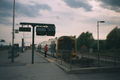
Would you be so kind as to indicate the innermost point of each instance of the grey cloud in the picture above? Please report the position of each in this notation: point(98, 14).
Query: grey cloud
point(111, 4)
point(79, 4)
point(31, 10)
point(6, 9)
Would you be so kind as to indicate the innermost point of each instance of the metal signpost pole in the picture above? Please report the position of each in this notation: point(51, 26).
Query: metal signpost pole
point(70, 59)
point(39, 31)
point(61, 57)
point(33, 45)
point(22, 44)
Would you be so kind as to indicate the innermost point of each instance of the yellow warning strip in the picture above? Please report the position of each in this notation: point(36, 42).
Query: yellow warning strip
point(45, 57)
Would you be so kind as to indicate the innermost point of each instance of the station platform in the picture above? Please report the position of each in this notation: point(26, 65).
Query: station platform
point(22, 69)
point(42, 69)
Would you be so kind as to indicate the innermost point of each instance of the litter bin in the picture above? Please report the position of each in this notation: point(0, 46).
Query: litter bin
point(15, 53)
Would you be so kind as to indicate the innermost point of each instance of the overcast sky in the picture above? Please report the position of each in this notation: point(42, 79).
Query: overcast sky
point(71, 17)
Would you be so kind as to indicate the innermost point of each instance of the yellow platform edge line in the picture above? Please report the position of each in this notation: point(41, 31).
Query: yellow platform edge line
point(45, 58)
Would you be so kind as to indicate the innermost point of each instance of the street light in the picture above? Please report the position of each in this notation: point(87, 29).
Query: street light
point(98, 37)
point(12, 59)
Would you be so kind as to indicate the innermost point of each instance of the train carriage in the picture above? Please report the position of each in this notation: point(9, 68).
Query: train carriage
point(64, 45)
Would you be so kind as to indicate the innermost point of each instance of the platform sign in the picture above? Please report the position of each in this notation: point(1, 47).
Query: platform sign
point(43, 29)
point(40, 31)
point(102, 21)
point(50, 31)
point(25, 29)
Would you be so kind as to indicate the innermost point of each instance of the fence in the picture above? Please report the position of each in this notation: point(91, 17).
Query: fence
point(64, 57)
point(103, 58)
point(4, 47)
point(85, 59)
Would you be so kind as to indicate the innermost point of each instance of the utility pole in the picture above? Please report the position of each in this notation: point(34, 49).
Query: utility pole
point(12, 60)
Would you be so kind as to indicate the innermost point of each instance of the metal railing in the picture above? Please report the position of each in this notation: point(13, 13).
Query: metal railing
point(105, 59)
point(87, 59)
point(62, 60)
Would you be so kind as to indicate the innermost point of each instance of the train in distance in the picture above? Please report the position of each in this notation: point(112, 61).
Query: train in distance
point(64, 45)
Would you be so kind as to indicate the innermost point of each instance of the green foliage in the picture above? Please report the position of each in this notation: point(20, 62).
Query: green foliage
point(85, 39)
point(102, 45)
point(113, 39)
point(73, 36)
point(94, 46)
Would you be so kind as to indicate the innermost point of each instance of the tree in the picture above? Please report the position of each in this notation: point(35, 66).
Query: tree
point(102, 45)
point(113, 39)
point(85, 39)
point(73, 36)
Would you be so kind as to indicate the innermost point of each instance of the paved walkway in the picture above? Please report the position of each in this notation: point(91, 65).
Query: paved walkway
point(22, 69)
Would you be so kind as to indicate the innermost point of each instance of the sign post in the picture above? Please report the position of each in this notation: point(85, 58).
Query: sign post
point(46, 29)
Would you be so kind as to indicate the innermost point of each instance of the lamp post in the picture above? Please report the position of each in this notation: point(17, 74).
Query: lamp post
point(98, 37)
point(12, 59)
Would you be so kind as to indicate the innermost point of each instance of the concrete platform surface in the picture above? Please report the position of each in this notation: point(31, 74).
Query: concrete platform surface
point(43, 69)
point(22, 69)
